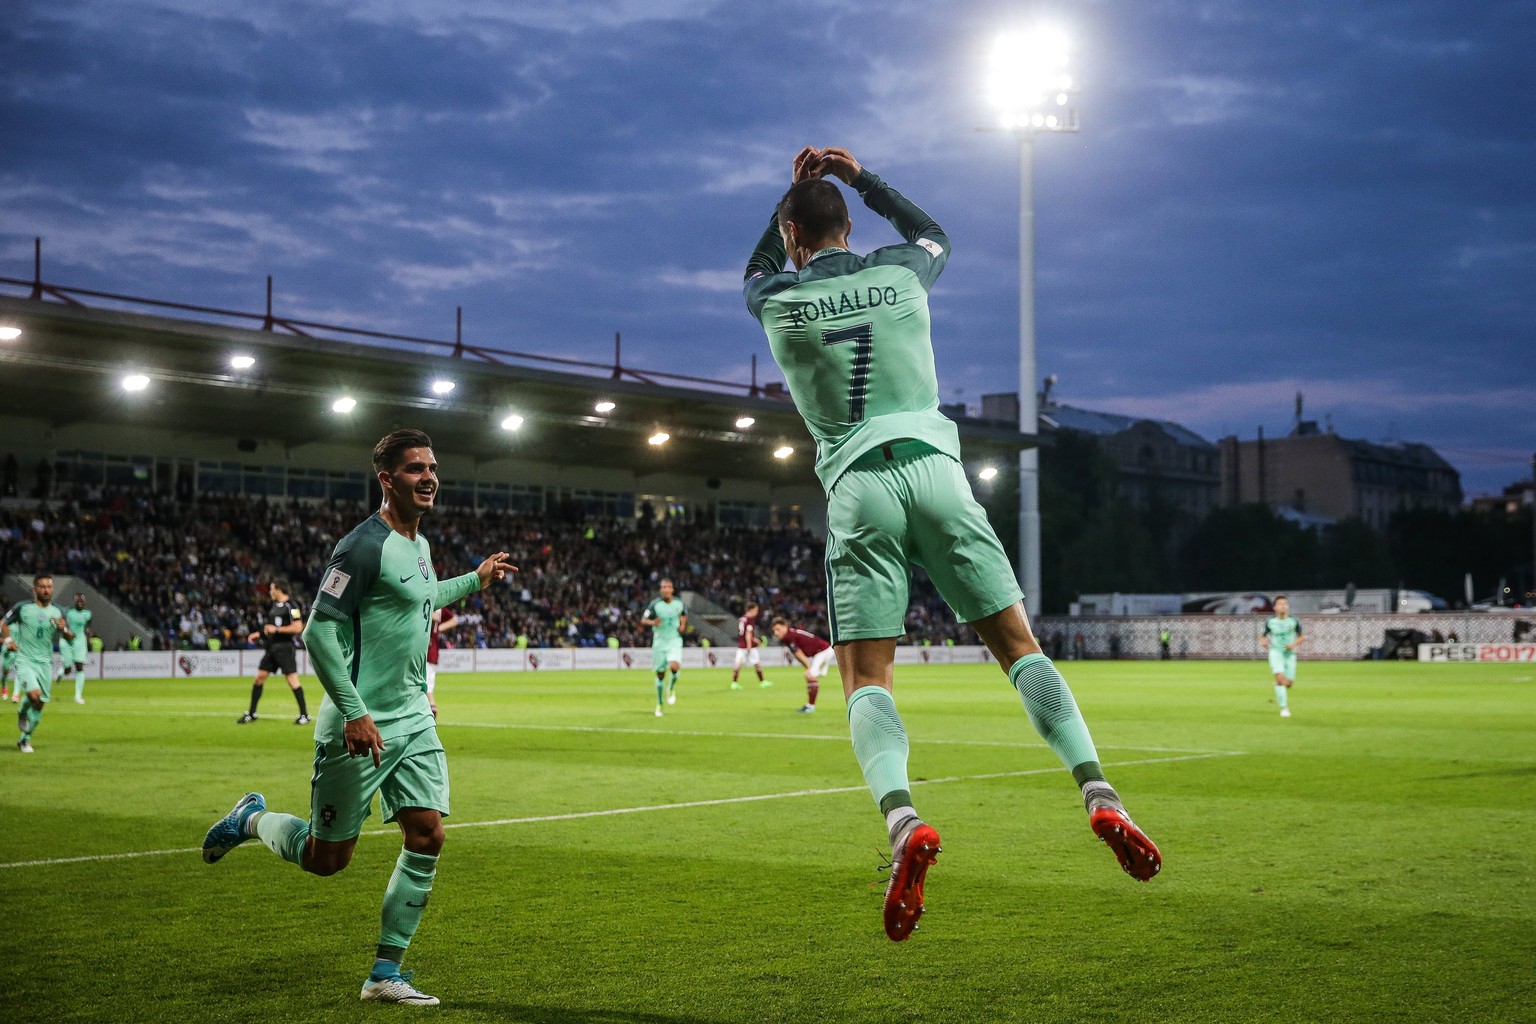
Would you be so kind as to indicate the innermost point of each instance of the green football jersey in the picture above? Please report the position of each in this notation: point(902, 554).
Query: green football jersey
point(382, 584)
point(1281, 631)
point(669, 612)
point(77, 619)
point(851, 334)
point(34, 627)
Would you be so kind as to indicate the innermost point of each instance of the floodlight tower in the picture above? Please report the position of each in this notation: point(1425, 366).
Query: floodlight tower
point(1031, 88)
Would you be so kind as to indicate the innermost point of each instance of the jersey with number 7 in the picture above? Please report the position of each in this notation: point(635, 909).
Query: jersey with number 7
point(851, 334)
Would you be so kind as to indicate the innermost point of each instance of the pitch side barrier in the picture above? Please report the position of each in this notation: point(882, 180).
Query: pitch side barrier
point(223, 664)
point(1482, 653)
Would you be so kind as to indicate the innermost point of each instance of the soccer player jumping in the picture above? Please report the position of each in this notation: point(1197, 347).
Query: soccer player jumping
point(851, 335)
point(367, 641)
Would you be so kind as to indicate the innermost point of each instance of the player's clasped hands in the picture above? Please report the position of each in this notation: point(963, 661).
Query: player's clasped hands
point(811, 162)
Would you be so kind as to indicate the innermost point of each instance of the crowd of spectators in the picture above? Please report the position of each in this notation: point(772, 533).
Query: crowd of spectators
point(198, 571)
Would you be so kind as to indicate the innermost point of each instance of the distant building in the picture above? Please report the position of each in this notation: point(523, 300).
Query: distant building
point(1159, 461)
point(1318, 474)
point(1516, 496)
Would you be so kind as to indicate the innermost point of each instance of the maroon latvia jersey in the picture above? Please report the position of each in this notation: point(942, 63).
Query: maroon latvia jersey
point(434, 642)
point(808, 644)
point(746, 632)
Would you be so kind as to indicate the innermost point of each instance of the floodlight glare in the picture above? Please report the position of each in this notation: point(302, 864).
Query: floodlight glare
point(442, 387)
point(743, 422)
point(9, 333)
point(659, 438)
point(1027, 74)
point(135, 382)
point(987, 472)
point(344, 404)
point(512, 422)
point(242, 362)
point(783, 453)
point(604, 407)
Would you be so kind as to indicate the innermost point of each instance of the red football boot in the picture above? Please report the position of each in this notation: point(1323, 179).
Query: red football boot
point(911, 857)
point(1137, 854)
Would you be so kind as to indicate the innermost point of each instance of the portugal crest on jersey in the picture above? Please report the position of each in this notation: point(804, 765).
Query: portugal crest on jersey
point(421, 563)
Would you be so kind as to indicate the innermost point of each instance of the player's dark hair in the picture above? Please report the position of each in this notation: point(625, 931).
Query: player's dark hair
point(750, 606)
point(1281, 597)
point(282, 585)
point(40, 577)
point(779, 620)
point(817, 206)
point(389, 452)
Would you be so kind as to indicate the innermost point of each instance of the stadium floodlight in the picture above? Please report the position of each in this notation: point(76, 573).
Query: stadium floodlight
point(442, 387)
point(743, 422)
point(242, 362)
point(512, 422)
point(783, 453)
point(659, 438)
point(135, 382)
point(987, 473)
point(1031, 90)
point(9, 333)
point(344, 404)
point(604, 406)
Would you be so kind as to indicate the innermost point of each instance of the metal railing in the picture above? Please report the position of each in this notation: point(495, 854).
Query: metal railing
point(43, 291)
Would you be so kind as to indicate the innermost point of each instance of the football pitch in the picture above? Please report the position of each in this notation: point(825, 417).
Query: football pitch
point(1369, 859)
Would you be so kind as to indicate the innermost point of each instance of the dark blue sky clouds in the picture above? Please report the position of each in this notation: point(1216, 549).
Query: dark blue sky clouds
point(1327, 197)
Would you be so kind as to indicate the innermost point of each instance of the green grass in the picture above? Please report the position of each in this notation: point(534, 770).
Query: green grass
point(1370, 859)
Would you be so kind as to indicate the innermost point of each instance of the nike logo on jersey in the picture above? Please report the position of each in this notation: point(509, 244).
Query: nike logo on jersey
point(407, 577)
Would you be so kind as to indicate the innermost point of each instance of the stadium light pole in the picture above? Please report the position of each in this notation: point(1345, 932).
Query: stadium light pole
point(1031, 89)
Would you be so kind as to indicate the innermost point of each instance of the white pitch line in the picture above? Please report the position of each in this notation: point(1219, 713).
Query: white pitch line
point(916, 741)
point(615, 811)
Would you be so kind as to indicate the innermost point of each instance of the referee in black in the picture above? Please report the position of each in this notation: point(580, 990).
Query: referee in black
point(282, 626)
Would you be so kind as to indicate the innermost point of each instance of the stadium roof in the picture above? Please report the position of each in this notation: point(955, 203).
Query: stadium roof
point(1089, 421)
point(68, 364)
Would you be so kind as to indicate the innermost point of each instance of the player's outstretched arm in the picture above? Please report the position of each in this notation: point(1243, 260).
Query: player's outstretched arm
point(494, 569)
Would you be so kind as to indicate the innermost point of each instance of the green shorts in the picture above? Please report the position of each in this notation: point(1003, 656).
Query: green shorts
point(664, 654)
point(413, 772)
point(1282, 663)
point(74, 652)
point(34, 675)
point(885, 516)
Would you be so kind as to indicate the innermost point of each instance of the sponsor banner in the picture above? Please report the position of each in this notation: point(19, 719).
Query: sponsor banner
point(136, 665)
point(458, 659)
point(550, 659)
point(635, 657)
point(715, 657)
point(1494, 653)
point(692, 657)
point(595, 657)
point(206, 663)
point(501, 659)
point(970, 655)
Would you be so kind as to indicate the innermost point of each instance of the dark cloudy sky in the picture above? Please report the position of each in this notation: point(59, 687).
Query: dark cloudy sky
point(1326, 197)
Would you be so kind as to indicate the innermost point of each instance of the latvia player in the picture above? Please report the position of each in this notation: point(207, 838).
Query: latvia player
point(746, 647)
point(442, 619)
point(812, 651)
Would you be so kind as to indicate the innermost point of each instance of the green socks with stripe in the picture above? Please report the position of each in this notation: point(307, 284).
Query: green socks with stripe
point(1054, 714)
point(880, 744)
point(283, 834)
point(410, 887)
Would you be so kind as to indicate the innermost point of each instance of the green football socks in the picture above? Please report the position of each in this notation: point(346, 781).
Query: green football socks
point(79, 684)
point(880, 744)
point(1280, 695)
point(661, 689)
point(410, 887)
point(28, 717)
point(283, 834)
point(1054, 714)
point(673, 686)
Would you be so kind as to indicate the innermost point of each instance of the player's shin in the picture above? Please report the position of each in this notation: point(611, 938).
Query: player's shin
point(283, 834)
point(880, 745)
point(1054, 714)
point(410, 887)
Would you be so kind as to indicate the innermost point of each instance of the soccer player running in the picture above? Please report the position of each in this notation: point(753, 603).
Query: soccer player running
point(367, 640)
point(667, 618)
point(284, 623)
point(30, 628)
point(75, 652)
point(851, 335)
point(811, 651)
point(1281, 637)
point(746, 646)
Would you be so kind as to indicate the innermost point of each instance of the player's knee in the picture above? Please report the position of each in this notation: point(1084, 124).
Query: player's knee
point(428, 840)
point(327, 860)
